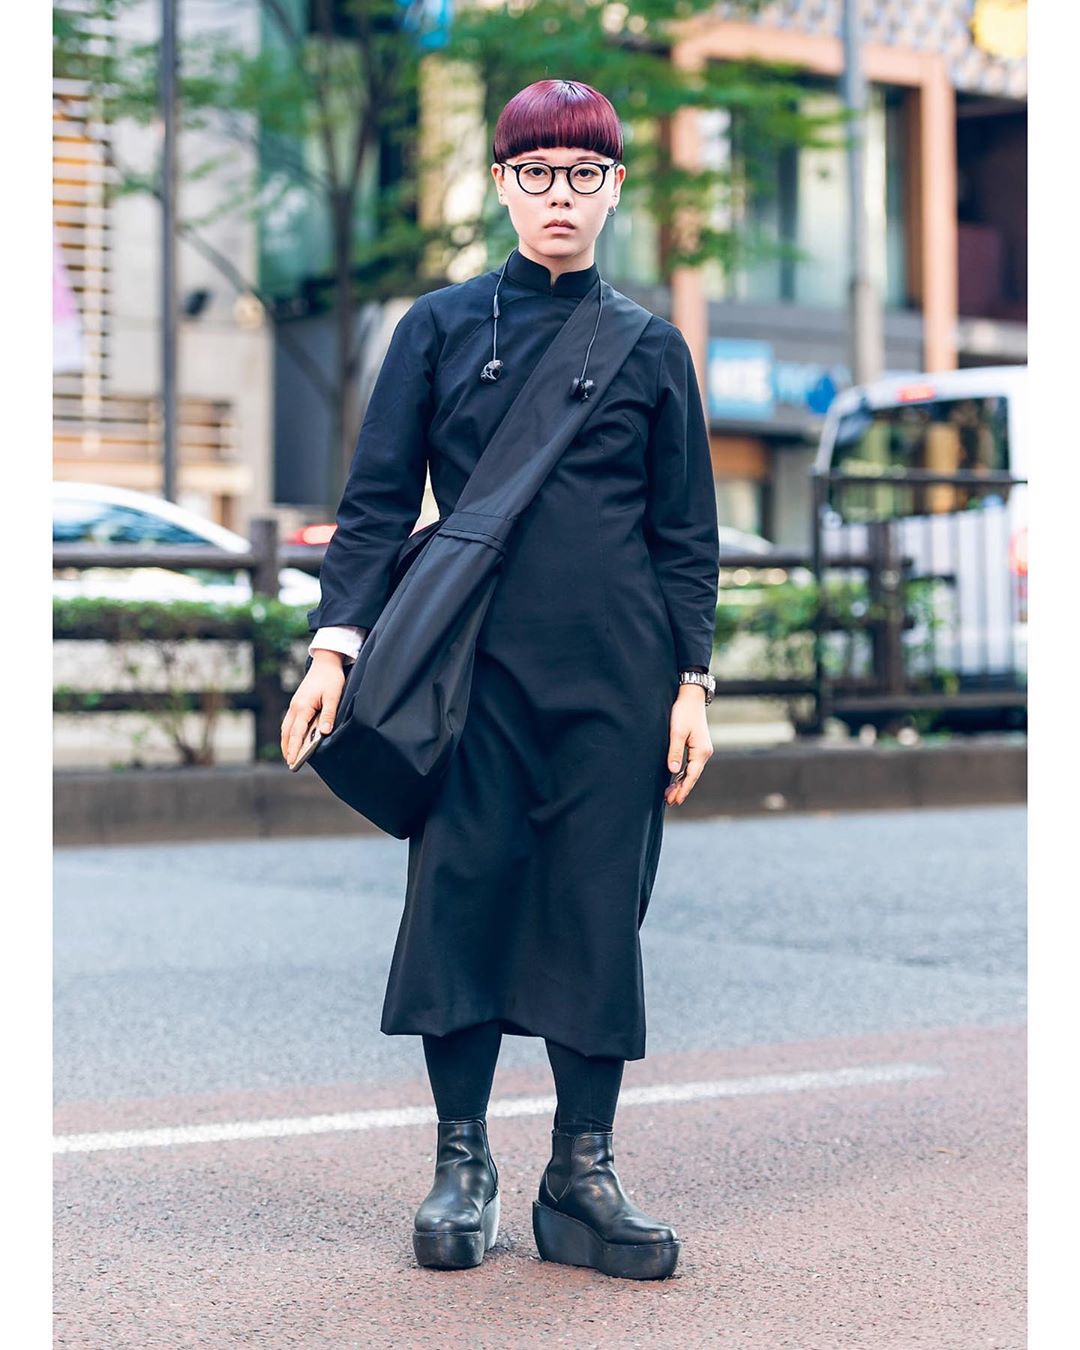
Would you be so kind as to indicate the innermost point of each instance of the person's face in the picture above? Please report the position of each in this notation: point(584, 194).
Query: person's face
point(531, 213)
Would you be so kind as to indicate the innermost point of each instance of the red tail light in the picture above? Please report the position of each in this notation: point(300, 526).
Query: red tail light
point(1018, 553)
point(313, 534)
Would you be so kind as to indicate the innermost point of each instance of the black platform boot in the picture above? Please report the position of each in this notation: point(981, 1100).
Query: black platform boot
point(583, 1218)
point(458, 1220)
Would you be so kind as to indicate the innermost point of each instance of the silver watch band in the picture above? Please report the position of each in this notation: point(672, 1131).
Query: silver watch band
point(707, 682)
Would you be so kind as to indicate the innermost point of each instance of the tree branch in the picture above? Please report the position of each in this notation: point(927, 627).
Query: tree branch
point(326, 127)
point(221, 263)
point(292, 161)
point(281, 17)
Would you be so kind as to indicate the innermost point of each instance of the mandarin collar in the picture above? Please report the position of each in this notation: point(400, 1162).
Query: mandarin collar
point(536, 276)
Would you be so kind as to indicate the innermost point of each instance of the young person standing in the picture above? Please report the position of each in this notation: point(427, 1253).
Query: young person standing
point(530, 877)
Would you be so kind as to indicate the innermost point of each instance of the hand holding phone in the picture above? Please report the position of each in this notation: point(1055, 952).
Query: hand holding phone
point(308, 747)
point(678, 777)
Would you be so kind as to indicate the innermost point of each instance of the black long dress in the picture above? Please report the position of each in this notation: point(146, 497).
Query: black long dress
point(529, 881)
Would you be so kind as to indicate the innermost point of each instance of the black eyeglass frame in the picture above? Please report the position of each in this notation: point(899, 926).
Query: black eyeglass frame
point(567, 169)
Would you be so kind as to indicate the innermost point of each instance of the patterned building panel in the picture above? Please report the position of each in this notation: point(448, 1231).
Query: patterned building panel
point(943, 26)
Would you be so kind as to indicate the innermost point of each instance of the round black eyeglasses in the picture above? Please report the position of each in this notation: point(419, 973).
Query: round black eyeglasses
point(535, 176)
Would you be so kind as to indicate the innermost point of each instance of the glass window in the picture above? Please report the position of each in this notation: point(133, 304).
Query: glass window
point(294, 220)
point(88, 522)
point(628, 247)
point(794, 201)
point(739, 504)
point(815, 217)
point(954, 435)
point(944, 436)
point(890, 266)
point(127, 525)
point(75, 522)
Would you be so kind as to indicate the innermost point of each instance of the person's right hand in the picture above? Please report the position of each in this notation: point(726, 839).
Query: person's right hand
point(318, 695)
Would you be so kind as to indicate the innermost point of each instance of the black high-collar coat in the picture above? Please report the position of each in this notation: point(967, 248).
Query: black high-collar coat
point(529, 881)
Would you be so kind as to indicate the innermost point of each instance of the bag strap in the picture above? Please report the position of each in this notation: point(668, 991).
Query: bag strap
point(543, 419)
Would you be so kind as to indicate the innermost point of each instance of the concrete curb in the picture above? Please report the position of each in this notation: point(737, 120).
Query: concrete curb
point(266, 800)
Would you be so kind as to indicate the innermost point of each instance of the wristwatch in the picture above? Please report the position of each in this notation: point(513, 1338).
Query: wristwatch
point(699, 677)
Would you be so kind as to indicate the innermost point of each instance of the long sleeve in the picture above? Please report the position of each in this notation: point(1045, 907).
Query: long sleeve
point(344, 638)
point(385, 486)
point(680, 524)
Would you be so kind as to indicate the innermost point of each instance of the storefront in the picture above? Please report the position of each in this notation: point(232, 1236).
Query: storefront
point(945, 126)
point(766, 398)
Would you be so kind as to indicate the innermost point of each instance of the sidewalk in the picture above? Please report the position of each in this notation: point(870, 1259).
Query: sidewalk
point(265, 800)
point(108, 740)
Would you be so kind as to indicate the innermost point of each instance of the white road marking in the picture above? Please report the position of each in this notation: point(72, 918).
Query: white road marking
point(660, 1094)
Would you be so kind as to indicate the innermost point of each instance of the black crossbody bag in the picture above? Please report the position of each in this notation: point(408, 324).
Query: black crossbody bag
point(406, 696)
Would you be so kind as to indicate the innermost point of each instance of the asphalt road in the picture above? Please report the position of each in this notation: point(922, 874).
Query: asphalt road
point(835, 1123)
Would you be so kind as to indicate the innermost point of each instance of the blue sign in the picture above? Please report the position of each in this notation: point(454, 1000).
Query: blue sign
point(430, 18)
point(739, 379)
point(745, 381)
point(806, 384)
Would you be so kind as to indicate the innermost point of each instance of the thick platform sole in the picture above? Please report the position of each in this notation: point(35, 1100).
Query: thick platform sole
point(559, 1237)
point(459, 1251)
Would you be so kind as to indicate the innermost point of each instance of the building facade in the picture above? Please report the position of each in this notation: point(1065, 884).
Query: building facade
point(946, 178)
point(107, 382)
point(946, 187)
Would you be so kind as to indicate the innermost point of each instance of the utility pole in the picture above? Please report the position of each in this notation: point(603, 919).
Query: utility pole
point(169, 309)
point(866, 343)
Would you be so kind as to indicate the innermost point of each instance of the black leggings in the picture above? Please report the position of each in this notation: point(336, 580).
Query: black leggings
point(461, 1067)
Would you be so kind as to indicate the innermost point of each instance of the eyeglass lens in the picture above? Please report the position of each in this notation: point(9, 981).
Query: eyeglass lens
point(538, 177)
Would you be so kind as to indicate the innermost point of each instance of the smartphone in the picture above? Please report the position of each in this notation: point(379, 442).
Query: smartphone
point(308, 748)
point(678, 777)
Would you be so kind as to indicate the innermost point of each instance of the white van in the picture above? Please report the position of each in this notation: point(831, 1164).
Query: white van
point(973, 539)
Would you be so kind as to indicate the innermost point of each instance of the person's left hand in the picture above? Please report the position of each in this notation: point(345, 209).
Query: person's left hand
point(689, 727)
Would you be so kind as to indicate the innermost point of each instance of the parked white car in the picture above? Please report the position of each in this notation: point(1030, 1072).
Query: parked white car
point(960, 421)
point(93, 513)
point(733, 541)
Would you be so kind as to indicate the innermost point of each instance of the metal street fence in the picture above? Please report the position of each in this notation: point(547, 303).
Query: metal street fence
point(266, 698)
point(912, 603)
point(922, 579)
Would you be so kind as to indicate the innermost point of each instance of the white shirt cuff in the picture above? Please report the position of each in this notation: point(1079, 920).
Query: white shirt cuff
point(344, 638)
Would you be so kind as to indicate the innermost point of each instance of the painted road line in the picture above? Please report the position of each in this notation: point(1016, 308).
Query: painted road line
point(865, 1075)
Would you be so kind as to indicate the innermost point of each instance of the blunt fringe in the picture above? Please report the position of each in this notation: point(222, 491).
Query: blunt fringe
point(558, 112)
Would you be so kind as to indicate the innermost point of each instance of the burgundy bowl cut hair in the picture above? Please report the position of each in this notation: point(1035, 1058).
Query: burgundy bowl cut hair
point(558, 112)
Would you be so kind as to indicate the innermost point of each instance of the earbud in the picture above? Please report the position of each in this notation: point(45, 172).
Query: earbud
point(493, 369)
point(580, 387)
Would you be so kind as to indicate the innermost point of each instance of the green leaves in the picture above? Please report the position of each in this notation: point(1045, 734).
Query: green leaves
point(152, 641)
point(278, 626)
